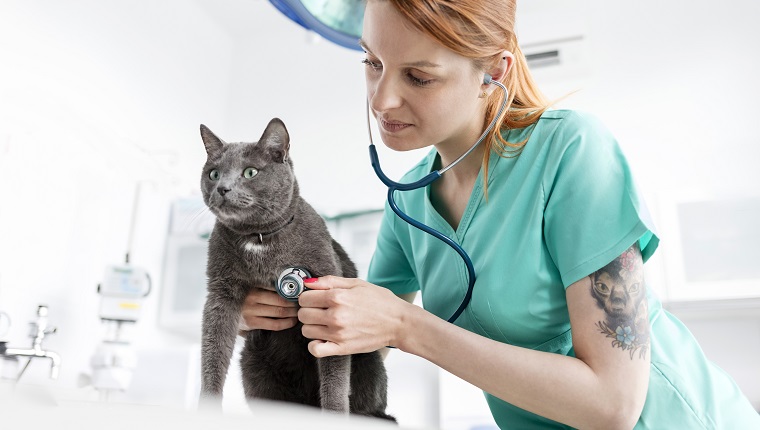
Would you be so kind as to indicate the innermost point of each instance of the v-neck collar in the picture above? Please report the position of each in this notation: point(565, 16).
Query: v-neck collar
point(476, 196)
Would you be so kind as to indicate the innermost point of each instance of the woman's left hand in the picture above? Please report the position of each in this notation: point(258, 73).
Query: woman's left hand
point(349, 316)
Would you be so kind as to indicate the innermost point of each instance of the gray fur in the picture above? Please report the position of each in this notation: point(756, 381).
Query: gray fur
point(275, 365)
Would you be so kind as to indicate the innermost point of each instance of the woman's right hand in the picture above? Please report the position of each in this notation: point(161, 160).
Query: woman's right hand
point(346, 316)
point(266, 310)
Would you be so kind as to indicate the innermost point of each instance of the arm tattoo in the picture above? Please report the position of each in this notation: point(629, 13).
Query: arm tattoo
point(619, 290)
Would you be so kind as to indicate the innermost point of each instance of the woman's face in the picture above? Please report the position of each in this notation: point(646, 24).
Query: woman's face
point(420, 92)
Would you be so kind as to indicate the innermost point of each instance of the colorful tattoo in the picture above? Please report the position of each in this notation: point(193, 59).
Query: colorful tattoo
point(619, 290)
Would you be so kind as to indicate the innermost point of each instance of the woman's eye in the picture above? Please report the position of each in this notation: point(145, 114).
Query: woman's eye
point(214, 175)
point(413, 79)
point(250, 172)
point(418, 81)
point(372, 65)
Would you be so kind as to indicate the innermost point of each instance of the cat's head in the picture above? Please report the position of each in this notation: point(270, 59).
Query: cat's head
point(618, 290)
point(249, 184)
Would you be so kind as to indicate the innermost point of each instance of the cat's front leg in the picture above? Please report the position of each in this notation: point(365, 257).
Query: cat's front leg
point(335, 382)
point(221, 314)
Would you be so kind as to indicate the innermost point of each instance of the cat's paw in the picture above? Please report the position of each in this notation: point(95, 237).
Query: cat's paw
point(211, 403)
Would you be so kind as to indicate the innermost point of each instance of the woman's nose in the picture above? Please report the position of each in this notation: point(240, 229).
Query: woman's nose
point(386, 95)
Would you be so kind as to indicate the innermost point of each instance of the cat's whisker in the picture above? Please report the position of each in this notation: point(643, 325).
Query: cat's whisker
point(188, 224)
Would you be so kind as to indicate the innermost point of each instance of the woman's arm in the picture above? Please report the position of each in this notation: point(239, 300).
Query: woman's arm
point(409, 298)
point(604, 386)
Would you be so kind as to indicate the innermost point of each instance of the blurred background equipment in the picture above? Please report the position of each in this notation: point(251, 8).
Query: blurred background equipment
point(121, 295)
point(122, 291)
point(11, 356)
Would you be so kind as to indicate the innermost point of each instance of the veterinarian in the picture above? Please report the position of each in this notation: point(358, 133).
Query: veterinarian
point(561, 330)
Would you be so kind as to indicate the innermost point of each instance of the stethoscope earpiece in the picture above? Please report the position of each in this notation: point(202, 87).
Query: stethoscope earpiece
point(290, 283)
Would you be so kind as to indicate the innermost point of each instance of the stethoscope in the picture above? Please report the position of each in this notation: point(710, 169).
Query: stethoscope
point(427, 180)
point(290, 283)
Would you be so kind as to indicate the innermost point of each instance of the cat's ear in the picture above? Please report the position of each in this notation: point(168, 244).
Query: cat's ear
point(276, 140)
point(212, 143)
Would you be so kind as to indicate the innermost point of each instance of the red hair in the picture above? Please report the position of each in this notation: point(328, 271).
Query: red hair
point(481, 30)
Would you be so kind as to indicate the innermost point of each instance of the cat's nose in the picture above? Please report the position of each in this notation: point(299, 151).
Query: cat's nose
point(222, 190)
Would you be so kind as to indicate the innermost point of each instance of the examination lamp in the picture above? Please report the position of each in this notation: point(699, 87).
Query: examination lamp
point(339, 21)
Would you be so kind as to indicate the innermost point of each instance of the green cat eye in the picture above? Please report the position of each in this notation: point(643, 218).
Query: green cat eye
point(214, 175)
point(250, 172)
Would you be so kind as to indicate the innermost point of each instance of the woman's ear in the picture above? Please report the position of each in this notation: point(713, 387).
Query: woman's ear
point(499, 70)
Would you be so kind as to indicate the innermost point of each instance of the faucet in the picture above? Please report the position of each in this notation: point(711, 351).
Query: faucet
point(39, 331)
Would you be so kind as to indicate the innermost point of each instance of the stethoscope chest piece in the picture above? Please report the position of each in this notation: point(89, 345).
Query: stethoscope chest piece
point(290, 283)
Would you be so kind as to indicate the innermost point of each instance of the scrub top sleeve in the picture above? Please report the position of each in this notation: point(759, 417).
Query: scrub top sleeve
point(390, 267)
point(593, 211)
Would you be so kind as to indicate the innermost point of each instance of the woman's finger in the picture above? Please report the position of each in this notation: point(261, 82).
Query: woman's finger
point(315, 299)
point(264, 323)
point(316, 332)
point(321, 348)
point(260, 310)
point(266, 297)
point(329, 282)
point(315, 316)
point(272, 324)
point(325, 298)
point(323, 291)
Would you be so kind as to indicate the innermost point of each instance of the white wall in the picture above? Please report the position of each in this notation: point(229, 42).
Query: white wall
point(95, 97)
point(317, 89)
point(98, 96)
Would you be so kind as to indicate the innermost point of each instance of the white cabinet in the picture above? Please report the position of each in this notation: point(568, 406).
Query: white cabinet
point(709, 246)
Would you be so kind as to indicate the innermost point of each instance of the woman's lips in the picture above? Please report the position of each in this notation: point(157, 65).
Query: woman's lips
point(393, 126)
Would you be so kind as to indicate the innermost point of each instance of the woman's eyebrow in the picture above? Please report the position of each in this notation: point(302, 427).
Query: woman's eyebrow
point(364, 45)
point(422, 63)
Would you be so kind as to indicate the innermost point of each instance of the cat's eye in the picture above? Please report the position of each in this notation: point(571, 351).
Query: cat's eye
point(634, 288)
point(250, 172)
point(214, 175)
point(602, 288)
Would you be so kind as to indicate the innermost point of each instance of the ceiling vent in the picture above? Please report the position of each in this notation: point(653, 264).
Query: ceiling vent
point(567, 52)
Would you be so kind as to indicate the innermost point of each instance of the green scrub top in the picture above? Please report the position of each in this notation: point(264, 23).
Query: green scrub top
point(564, 208)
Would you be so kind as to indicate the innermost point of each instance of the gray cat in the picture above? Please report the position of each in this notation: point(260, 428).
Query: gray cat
point(262, 227)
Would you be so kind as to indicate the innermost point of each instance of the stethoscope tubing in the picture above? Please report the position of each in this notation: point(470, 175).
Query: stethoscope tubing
point(448, 241)
point(425, 181)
